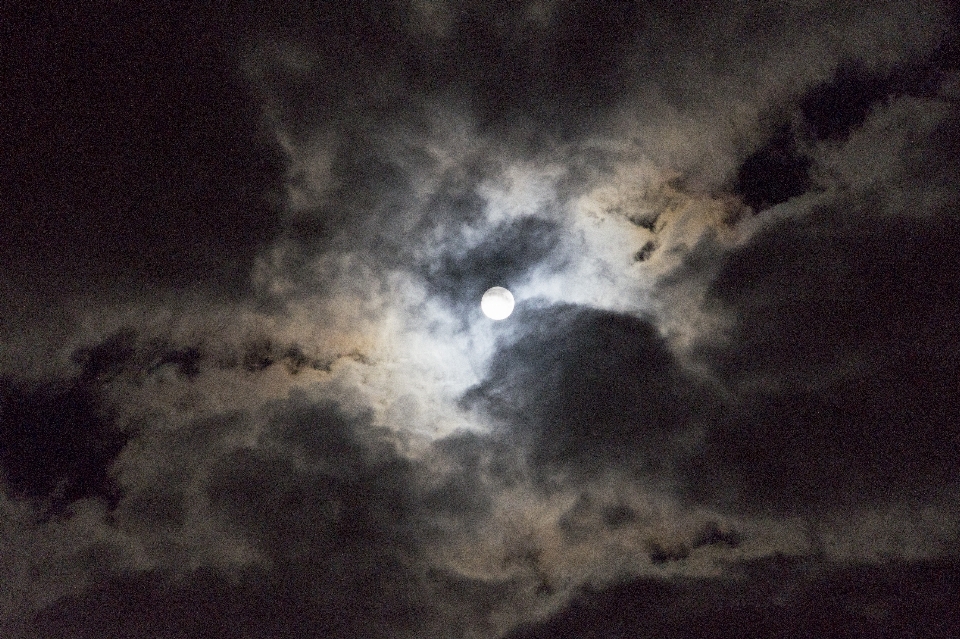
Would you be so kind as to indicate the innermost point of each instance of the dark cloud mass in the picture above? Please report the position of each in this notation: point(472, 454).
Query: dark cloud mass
point(246, 389)
point(779, 598)
point(859, 359)
point(593, 390)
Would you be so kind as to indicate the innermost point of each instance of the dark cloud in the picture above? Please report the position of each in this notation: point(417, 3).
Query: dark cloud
point(333, 603)
point(338, 520)
point(246, 389)
point(548, 68)
point(645, 251)
point(662, 551)
point(334, 600)
point(850, 325)
point(780, 597)
point(186, 360)
point(712, 534)
point(781, 166)
point(592, 390)
point(554, 75)
point(106, 360)
point(587, 516)
point(832, 110)
point(161, 505)
point(365, 182)
point(139, 357)
point(476, 458)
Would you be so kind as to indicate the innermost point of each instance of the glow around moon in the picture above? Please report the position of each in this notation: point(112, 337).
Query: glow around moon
point(497, 303)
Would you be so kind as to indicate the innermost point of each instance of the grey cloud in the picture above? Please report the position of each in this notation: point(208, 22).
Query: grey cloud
point(850, 327)
point(592, 390)
point(783, 166)
point(504, 257)
point(340, 520)
point(779, 597)
point(139, 356)
point(812, 378)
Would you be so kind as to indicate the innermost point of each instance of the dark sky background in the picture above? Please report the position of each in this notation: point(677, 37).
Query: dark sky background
point(246, 390)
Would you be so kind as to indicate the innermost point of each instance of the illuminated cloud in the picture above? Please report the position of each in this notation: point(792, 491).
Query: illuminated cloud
point(261, 399)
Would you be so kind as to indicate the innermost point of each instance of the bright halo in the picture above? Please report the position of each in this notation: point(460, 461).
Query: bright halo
point(497, 303)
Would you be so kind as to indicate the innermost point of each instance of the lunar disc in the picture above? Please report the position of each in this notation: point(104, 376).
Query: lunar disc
point(497, 303)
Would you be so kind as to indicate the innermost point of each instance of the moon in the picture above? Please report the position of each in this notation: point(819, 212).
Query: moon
point(497, 303)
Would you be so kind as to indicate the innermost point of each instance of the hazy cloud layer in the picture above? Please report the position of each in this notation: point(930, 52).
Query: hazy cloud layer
point(246, 389)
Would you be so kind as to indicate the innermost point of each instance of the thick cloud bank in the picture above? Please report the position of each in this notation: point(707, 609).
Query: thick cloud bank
point(247, 390)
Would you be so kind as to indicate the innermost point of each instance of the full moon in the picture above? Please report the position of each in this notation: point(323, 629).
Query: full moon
point(497, 303)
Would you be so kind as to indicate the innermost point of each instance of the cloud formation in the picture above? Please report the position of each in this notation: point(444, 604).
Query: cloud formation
point(246, 389)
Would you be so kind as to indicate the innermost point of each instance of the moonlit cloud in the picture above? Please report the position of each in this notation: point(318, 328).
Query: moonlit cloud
point(247, 390)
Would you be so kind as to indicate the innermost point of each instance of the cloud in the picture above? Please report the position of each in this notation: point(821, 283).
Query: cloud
point(504, 257)
point(728, 385)
point(840, 358)
point(776, 597)
point(589, 389)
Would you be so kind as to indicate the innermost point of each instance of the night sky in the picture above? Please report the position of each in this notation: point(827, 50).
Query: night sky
point(247, 391)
